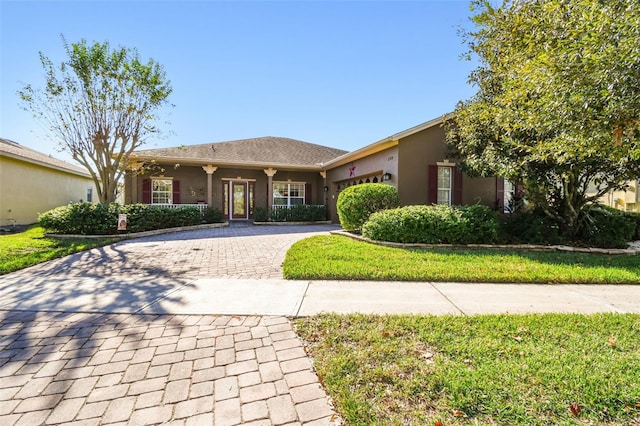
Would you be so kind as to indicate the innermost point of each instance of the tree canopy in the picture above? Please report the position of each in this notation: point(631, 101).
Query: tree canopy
point(558, 101)
point(99, 104)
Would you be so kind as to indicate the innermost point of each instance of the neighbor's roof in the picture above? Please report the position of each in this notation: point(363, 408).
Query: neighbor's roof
point(9, 148)
point(258, 152)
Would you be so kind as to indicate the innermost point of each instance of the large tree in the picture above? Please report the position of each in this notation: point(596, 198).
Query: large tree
point(100, 104)
point(558, 100)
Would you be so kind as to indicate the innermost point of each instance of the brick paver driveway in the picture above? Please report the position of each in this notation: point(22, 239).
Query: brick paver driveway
point(238, 251)
point(123, 368)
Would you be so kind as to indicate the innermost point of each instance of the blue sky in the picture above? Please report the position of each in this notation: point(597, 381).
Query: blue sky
point(338, 73)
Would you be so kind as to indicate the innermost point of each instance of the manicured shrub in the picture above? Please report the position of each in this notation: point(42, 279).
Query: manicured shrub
point(299, 213)
point(101, 219)
point(260, 214)
point(529, 227)
point(212, 215)
point(635, 218)
point(602, 226)
point(607, 228)
point(81, 218)
point(433, 225)
point(356, 203)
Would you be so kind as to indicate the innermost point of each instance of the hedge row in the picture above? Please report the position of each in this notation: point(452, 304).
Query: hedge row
point(601, 226)
point(101, 219)
point(434, 225)
point(299, 213)
point(366, 207)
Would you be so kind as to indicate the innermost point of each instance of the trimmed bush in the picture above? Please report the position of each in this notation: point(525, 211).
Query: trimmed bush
point(300, 213)
point(356, 203)
point(635, 218)
point(101, 219)
point(434, 225)
point(602, 226)
point(608, 228)
point(212, 215)
point(81, 218)
point(260, 214)
point(530, 227)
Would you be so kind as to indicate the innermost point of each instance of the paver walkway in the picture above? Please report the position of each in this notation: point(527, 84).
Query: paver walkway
point(109, 368)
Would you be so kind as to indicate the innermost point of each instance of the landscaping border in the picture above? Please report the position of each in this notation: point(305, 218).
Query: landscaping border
point(316, 222)
point(131, 235)
point(523, 247)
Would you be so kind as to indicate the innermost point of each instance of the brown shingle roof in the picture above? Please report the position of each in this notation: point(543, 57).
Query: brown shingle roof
point(267, 150)
point(9, 148)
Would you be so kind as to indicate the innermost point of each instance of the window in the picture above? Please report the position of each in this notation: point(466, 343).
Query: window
point(509, 201)
point(288, 194)
point(161, 191)
point(444, 185)
point(89, 195)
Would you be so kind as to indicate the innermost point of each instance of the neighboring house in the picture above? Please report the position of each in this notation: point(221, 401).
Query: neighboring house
point(272, 172)
point(32, 182)
point(628, 200)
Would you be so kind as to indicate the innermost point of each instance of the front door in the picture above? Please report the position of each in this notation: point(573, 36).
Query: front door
point(239, 201)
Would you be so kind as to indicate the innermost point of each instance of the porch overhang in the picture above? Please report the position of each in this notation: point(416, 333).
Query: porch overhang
point(184, 161)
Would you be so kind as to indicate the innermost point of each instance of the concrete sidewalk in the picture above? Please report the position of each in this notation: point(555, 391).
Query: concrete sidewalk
point(269, 297)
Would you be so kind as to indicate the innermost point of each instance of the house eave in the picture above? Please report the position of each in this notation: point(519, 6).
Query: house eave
point(381, 145)
point(184, 161)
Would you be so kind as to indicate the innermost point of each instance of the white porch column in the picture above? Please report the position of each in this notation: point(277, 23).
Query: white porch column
point(270, 173)
point(210, 169)
point(134, 166)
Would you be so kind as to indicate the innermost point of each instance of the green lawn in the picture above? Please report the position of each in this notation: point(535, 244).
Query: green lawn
point(20, 250)
point(492, 369)
point(339, 257)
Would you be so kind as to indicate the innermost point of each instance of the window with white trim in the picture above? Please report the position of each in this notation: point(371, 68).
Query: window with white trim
point(288, 194)
point(161, 191)
point(445, 185)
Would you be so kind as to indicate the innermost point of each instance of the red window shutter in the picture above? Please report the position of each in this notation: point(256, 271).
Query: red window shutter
point(500, 194)
point(308, 196)
point(457, 187)
point(176, 192)
point(432, 184)
point(146, 191)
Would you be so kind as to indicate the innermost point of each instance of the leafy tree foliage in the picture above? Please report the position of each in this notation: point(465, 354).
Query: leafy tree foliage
point(558, 101)
point(100, 104)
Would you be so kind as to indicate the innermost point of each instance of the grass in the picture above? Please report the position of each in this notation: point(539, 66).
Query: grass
point(28, 248)
point(339, 257)
point(494, 369)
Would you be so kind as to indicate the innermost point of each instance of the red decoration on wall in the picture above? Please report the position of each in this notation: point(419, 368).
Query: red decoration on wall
point(352, 170)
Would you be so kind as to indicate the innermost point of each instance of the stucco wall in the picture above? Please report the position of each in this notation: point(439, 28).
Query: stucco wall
point(193, 184)
point(27, 189)
point(416, 152)
point(374, 165)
